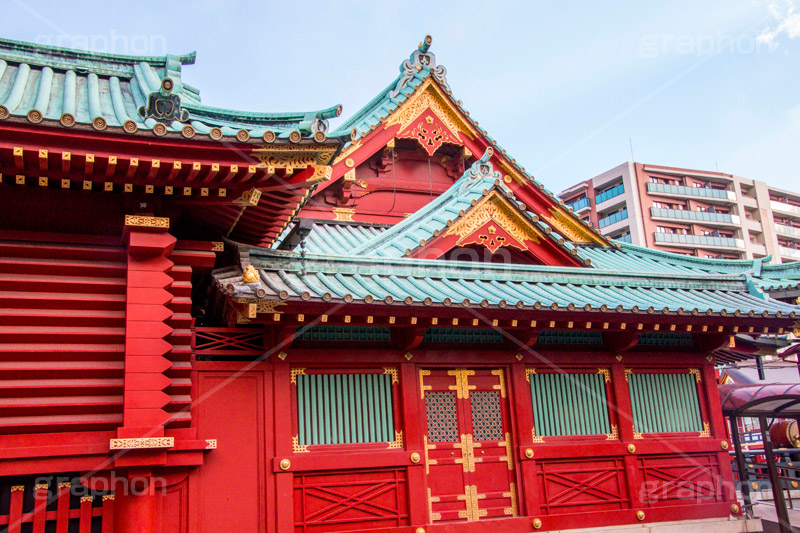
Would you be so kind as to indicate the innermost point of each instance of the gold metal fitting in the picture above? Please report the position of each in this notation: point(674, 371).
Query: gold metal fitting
point(420, 530)
point(640, 515)
point(285, 464)
point(529, 453)
point(754, 485)
point(415, 457)
point(631, 448)
point(537, 523)
point(724, 445)
point(735, 508)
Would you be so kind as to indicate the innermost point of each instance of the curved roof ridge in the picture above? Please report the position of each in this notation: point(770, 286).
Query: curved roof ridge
point(45, 54)
point(690, 259)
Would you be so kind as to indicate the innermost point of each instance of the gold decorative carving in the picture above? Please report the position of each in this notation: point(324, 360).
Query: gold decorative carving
point(344, 213)
point(15, 488)
point(108, 497)
point(498, 210)
point(211, 444)
point(566, 224)
point(606, 374)
point(87, 499)
point(282, 355)
point(428, 96)
point(142, 443)
point(628, 372)
point(467, 446)
point(431, 500)
point(397, 443)
point(462, 386)
point(502, 385)
point(471, 497)
point(297, 447)
point(249, 198)
point(614, 435)
point(261, 306)
point(217, 246)
point(636, 435)
point(250, 274)
point(696, 373)
point(509, 456)
point(534, 437)
point(392, 372)
point(294, 156)
point(146, 222)
point(428, 461)
point(512, 494)
point(706, 430)
point(422, 386)
point(321, 173)
point(528, 372)
point(294, 372)
point(41, 486)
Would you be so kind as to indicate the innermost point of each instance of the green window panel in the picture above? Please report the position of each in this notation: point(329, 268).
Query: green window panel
point(569, 404)
point(665, 339)
point(463, 335)
point(344, 408)
point(557, 336)
point(665, 403)
point(343, 334)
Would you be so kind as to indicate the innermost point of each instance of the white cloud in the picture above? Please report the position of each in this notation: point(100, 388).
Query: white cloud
point(786, 14)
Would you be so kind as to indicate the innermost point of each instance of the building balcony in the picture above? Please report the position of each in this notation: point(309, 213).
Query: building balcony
point(616, 217)
point(785, 208)
point(758, 250)
point(789, 231)
point(623, 238)
point(696, 216)
point(789, 253)
point(580, 205)
point(609, 194)
point(661, 189)
point(698, 241)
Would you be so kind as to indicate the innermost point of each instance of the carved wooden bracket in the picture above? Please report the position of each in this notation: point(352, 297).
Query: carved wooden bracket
point(621, 341)
point(407, 338)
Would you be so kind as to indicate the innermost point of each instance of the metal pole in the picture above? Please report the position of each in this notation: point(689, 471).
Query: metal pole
point(741, 467)
point(774, 480)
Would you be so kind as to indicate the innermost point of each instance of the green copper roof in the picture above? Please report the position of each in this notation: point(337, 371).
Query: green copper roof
point(73, 87)
point(406, 281)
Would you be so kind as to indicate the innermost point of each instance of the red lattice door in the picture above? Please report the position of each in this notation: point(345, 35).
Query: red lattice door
point(468, 451)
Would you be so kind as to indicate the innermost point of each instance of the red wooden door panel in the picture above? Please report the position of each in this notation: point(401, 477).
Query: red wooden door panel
point(468, 448)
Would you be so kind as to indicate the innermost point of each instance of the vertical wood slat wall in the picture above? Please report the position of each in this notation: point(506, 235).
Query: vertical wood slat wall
point(569, 404)
point(665, 403)
point(344, 408)
point(38, 517)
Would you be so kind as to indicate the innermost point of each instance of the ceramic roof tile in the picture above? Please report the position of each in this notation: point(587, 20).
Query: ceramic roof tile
point(44, 83)
point(450, 282)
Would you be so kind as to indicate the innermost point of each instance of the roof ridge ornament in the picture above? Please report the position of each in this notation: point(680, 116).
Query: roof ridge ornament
point(420, 59)
point(482, 168)
point(163, 106)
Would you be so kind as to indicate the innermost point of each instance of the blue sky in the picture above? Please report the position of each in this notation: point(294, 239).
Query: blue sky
point(565, 86)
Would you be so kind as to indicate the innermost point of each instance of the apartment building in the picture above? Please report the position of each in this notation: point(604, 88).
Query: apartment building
point(692, 212)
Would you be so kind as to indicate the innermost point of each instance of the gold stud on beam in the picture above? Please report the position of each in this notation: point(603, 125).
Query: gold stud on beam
point(413, 320)
point(133, 166)
point(392, 320)
point(639, 326)
point(168, 190)
point(370, 319)
point(42, 181)
point(20, 180)
point(533, 323)
point(108, 186)
point(129, 187)
point(112, 166)
point(346, 319)
point(475, 321)
point(276, 317)
point(323, 318)
point(87, 185)
point(65, 183)
point(301, 318)
point(434, 321)
point(552, 323)
point(656, 327)
point(89, 166)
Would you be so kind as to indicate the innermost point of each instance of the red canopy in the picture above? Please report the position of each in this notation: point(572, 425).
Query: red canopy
point(761, 399)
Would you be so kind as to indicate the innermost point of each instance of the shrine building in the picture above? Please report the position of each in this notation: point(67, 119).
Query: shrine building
point(215, 320)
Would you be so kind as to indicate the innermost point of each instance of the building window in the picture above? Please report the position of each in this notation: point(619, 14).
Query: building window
point(345, 408)
point(569, 404)
point(665, 403)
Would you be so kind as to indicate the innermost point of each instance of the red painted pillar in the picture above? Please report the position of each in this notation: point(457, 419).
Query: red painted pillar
point(147, 297)
point(135, 504)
